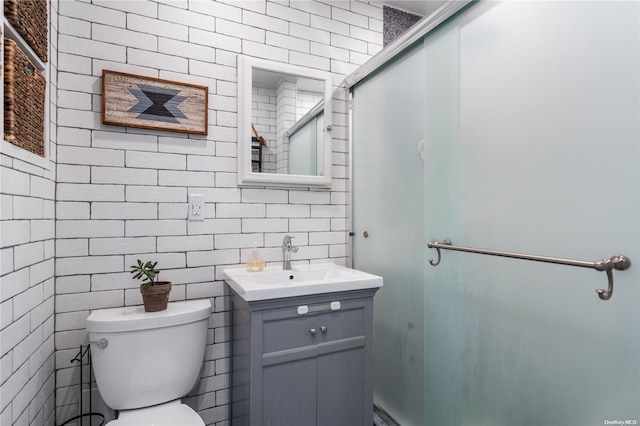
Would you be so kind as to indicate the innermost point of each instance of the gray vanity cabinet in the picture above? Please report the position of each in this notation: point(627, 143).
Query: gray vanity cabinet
point(303, 360)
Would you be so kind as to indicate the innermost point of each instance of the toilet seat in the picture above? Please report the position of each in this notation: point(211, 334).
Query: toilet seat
point(170, 414)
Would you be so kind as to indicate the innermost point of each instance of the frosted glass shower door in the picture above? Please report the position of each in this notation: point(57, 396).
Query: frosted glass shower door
point(388, 111)
point(533, 145)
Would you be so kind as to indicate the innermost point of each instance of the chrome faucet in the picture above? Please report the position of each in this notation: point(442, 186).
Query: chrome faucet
point(287, 248)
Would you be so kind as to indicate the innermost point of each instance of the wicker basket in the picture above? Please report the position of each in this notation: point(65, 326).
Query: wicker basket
point(29, 18)
point(24, 97)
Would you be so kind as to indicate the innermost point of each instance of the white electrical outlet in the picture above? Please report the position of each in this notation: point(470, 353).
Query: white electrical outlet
point(196, 206)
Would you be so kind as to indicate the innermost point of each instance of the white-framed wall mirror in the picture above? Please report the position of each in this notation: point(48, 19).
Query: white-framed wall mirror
point(284, 125)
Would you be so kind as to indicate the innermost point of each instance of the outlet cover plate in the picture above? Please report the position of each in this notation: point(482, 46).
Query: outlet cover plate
point(196, 207)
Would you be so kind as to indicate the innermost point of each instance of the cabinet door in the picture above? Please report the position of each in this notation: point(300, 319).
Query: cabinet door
point(289, 369)
point(289, 393)
point(340, 388)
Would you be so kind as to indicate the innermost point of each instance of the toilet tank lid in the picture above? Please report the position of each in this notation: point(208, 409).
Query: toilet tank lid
point(131, 318)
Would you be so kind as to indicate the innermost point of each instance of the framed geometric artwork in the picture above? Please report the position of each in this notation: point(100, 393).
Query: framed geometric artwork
point(151, 103)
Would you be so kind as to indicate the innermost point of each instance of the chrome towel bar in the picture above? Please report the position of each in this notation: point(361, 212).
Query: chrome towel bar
point(618, 261)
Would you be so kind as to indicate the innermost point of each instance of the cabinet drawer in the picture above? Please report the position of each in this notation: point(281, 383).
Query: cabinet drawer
point(287, 333)
point(339, 325)
point(285, 329)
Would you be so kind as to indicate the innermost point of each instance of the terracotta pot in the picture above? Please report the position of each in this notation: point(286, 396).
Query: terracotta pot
point(155, 297)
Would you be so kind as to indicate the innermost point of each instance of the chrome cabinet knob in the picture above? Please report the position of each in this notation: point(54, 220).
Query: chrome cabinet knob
point(312, 331)
point(324, 329)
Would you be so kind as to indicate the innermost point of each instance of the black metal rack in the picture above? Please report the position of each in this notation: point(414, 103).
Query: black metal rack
point(85, 354)
point(256, 149)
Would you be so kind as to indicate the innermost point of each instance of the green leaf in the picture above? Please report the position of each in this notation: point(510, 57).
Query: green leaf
point(146, 271)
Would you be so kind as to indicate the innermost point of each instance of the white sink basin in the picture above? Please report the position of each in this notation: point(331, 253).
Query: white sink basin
point(274, 283)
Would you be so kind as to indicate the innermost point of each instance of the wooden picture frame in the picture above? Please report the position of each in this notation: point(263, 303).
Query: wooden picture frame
point(152, 103)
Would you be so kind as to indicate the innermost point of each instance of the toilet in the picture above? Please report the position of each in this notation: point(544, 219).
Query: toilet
point(144, 362)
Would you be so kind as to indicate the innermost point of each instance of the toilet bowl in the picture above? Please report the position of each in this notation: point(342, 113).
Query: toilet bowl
point(144, 362)
point(169, 414)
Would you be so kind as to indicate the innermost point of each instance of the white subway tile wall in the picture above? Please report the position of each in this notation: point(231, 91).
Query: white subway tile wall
point(121, 193)
point(27, 247)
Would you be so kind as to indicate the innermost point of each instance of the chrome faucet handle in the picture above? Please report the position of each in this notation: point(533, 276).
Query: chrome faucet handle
point(286, 243)
point(287, 249)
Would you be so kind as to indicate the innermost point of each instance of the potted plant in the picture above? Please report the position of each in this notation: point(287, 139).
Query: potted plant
point(155, 294)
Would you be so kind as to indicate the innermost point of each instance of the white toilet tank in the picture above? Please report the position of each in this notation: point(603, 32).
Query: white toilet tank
point(149, 357)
